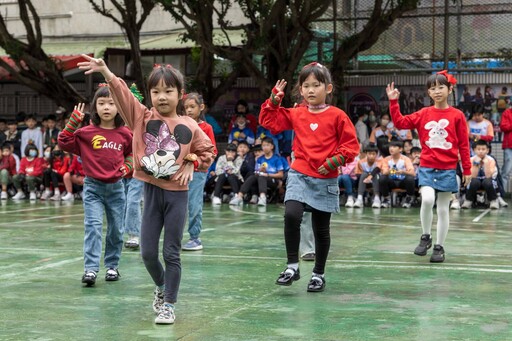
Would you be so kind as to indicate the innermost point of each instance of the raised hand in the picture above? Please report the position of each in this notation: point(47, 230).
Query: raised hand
point(80, 108)
point(278, 91)
point(95, 65)
point(392, 92)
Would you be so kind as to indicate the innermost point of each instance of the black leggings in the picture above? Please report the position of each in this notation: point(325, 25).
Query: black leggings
point(51, 177)
point(321, 229)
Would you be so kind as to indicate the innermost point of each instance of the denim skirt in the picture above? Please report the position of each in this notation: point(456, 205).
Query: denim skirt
point(320, 194)
point(442, 180)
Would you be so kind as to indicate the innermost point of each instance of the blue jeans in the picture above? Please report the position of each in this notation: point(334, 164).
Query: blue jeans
point(507, 167)
point(99, 197)
point(346, 181)
point(195, 204)
point(132, 218)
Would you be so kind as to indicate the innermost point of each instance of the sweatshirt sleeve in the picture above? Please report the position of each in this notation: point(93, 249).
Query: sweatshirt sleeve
point(348, 147)
point(506, 122)
point(203, 147)
point(275, 118)
point(400, 121)
point(129, 107)
point(463, 137)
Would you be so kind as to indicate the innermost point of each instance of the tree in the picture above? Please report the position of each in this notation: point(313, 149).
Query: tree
point(382, 17)
point(33, 67)
point(279, 31)
point(132, 26)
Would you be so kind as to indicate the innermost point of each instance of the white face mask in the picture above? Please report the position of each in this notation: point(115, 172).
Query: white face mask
point(46, 154)
point(384, 122)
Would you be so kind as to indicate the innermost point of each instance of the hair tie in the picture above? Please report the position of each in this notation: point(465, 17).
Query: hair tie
point(167, 66)
point(448, 76)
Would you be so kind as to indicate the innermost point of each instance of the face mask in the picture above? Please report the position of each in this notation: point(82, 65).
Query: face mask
point(46, 154)
point(57, 153)
point(32, 153)
point(384, 122)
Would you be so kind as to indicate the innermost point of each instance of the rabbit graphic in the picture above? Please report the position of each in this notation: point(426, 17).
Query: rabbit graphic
point(437, 134)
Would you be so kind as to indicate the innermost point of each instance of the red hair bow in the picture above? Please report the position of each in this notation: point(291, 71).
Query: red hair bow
point(101, 85)
point(449, 77)
point(167, 66)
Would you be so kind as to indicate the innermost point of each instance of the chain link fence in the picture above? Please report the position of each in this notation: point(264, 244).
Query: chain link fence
point(466, 34)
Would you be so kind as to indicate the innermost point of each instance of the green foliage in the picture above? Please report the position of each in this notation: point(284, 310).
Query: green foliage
point(136, 92)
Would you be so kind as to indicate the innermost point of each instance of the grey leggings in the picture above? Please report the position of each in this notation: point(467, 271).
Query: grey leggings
point(168, 210)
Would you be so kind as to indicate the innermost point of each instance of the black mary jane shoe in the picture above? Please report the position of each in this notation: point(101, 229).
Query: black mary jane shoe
point(287, 277)
point(316, 284)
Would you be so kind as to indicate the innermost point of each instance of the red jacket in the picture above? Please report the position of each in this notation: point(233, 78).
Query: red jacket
point(9, 163)
point(76, 167)
point(506, 127)
point(60, 165)
point(32, 168)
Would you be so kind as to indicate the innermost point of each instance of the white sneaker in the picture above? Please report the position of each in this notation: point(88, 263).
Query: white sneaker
point(33, 196)
point(236, 201)
point(55, 197)
point(502, 202)
point(158, 300)
point(46, 194)
point(376, 202)
point(254, 199)
point(359, 203)
point(18, 196)
point(350, 202)
point(455, 205)
point(262, 201)
point(165, 314)
point(494, 205)
point(467, 204)
point(4, 196)
point(68, 197)
point(216, 201)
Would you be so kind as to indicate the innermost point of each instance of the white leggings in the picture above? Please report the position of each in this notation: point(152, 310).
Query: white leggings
point(428, 198)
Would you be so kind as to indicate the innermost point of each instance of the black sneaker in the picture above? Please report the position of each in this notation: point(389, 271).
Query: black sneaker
point(437, 254)
point(408, 201)
point(89, 278)
point(316, 284)
point(287, 277)
point(424, 245)
point(112, 275)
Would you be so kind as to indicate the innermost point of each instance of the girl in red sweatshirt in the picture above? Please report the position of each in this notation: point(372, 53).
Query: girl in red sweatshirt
point(325, 139)
point(443, 135)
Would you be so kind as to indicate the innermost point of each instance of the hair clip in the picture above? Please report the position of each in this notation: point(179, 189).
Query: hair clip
point(449, 77)
point(167, 66)
point(313, 64)
point(101, 85)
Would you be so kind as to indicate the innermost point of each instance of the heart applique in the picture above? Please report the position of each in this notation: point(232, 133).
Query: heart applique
point(313, 126)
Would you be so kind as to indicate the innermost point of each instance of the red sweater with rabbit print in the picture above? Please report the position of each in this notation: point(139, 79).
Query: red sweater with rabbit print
point(443, 135)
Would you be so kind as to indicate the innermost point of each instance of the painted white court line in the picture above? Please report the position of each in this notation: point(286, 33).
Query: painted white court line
point(477, 219)
point(38, 268)
point(349, 263)
point(29, 209)
point(40, 219)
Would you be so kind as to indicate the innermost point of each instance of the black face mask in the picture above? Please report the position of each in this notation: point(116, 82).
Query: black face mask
point(57, 153)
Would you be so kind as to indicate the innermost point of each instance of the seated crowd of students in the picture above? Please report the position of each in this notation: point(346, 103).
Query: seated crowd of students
point(376, 176)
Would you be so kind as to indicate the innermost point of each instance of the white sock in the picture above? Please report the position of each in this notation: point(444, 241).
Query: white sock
point(57, 191)
point(359, 197)
point(443, 216)
point(428, 198)
point(317, 275)
point(294, 266)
